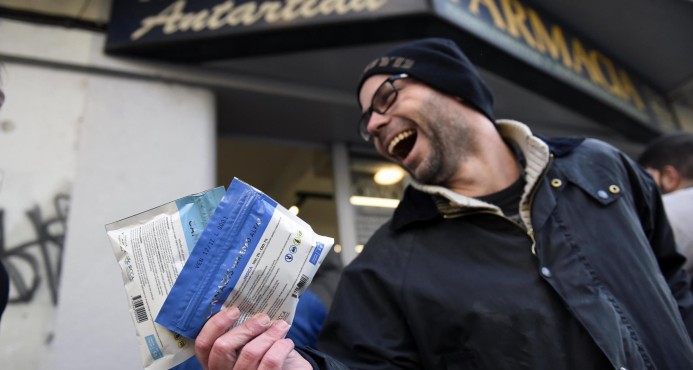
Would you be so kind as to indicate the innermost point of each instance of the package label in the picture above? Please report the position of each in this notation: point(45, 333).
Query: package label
point(254, 254)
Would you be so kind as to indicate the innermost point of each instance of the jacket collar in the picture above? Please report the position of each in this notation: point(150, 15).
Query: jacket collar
point(422, 202)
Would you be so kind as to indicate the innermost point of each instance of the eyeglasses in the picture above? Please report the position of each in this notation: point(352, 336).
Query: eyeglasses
point(383, 99)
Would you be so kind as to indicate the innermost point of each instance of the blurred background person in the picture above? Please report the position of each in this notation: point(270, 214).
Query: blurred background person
point(669, 159)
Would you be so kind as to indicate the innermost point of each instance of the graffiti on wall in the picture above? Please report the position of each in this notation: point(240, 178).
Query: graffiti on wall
point(31, 262)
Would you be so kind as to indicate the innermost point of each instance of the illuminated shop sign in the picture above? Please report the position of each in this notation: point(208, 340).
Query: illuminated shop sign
point(203, 30)
point(135, 24)
point(181, 18)
point(532, 37)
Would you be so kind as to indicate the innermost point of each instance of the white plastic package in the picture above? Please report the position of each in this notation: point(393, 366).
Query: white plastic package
point(151, 248)
point(254, 254)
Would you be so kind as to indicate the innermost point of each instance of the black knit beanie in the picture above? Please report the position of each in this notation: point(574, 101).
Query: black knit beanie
point(440, 64)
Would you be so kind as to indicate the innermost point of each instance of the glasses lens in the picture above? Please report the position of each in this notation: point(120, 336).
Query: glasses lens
point(384, 97)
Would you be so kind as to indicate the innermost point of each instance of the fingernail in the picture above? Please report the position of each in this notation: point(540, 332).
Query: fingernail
point(262, 319)
point(281, 324)
point(233, 312)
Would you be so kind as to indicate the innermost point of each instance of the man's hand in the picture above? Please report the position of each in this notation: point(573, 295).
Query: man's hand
point(255, 344)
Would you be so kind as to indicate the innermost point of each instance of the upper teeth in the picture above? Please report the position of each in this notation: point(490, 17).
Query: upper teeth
point(401, 136)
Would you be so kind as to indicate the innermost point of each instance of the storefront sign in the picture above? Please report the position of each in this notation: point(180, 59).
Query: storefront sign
point(175, 19)
point(137, 25)
point(532, 37)
point(573, 72)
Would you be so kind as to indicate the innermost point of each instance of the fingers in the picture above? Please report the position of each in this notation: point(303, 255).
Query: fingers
point(227, 348)
point(258, 351)
point(277, 354)
point(215, 327)
point(256, 342)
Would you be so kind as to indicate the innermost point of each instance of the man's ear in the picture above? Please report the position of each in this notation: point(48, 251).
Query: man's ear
point(670, 179)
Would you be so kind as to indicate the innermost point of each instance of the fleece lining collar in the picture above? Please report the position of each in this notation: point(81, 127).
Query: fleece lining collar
point(537, 157)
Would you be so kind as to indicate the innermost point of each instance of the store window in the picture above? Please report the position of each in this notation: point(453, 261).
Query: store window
point(301, 178)
point(376, 189)
point(292, 174)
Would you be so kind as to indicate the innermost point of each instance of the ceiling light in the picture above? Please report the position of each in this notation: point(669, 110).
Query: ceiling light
point(388, 175)
point(358, 200)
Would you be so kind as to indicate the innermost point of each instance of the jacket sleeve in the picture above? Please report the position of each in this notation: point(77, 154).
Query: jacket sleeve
point(319, 360)
point(656, 225)
point(366, 327)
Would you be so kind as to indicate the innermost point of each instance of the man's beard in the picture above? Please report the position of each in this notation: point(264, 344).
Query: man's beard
point(450, 144)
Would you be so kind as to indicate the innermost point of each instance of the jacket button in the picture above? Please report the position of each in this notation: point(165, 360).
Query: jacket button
point(614, 189)
point(556, 183)
point(546, 272)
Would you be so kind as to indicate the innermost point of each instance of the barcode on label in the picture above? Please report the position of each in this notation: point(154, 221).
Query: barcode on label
point(140, 310)
point(301, 283)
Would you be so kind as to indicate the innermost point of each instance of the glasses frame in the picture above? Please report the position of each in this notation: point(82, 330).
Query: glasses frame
point(381, 108)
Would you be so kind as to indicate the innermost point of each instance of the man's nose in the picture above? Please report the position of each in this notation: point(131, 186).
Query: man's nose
point(376, 123)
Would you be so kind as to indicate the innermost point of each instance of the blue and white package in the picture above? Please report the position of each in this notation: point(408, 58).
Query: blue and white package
point(254, 254)
point(151, 248)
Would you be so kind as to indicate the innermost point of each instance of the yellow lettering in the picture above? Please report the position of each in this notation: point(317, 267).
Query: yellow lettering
point(194, 21)
point(242, 14)
point(522, 22)
point(516, 21)
point(309, 9)
point(629, 90)
point(173, 19)
point(361, 5)
point(289, 12)
point(395, 61)
point(554, 43)
point(383, 61)
point(271, 11)
point(167, 18)
point(589, 61)
point(215, 19)
point(613, 83)
point(492, 9)
point(333, 6)
point(404, 63)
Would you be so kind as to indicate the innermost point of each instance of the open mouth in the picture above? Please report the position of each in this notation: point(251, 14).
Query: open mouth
point(402, 144)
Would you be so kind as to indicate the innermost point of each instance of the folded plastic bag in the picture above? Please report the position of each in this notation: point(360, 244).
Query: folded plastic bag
point(151, 248)
point(254, 254)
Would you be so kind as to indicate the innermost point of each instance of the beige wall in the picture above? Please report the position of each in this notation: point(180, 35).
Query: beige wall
point(81, 145)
